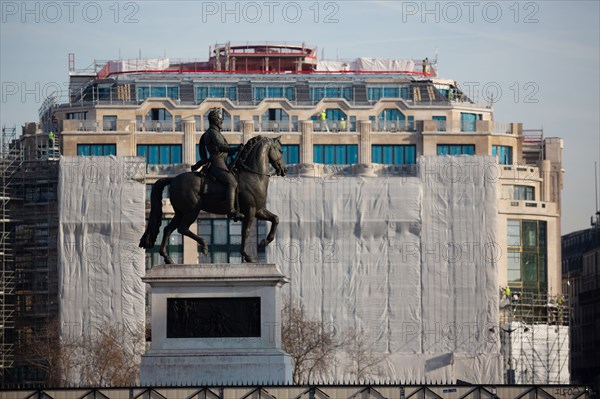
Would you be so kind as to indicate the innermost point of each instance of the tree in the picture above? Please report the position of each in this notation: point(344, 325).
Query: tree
point(310, 345)
point(107, 357)
point(111, 357)
point(363, 358)
point(42, 349)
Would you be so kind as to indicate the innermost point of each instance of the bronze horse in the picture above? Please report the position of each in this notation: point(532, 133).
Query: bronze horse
point(192, 192)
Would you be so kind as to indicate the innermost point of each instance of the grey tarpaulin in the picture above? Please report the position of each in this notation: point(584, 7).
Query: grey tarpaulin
point(406, 263)
point(102, 216)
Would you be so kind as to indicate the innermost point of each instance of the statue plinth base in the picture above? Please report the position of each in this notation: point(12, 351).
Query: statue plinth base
point(215, 324)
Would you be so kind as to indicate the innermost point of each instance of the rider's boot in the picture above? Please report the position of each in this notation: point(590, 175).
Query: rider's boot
point(233, 213)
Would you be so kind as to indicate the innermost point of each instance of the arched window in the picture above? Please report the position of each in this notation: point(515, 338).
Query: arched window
point(230, 123)
point(393, 120)
point(335, 120)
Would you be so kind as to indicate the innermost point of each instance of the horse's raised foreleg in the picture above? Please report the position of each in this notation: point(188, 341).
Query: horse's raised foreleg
point(247, 223)
point(184, 228)
point(265, 214)
point(167, 231)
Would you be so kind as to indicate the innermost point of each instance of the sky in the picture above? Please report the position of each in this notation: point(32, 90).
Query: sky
point(539, 59)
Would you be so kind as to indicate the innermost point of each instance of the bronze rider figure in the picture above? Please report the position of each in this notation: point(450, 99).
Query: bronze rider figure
point(214, 142)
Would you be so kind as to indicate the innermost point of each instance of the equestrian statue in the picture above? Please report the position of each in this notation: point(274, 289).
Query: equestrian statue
point(238, 191)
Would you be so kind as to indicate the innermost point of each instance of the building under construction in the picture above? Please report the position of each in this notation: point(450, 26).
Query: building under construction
point(29, 291)
point(344, 122)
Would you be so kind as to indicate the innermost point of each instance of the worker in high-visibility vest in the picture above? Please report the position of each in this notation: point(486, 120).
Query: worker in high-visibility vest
point(51, 139)
point(323, 119)
point(343, 125)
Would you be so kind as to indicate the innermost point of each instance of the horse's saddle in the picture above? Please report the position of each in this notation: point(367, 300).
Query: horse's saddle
point(210, 184)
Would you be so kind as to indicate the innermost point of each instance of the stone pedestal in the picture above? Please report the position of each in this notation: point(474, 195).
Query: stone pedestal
point(215, 324)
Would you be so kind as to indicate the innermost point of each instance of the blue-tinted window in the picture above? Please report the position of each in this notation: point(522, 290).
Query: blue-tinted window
point(468, 122)
point(318, 93)
point(455, 149)
point(203, 92)
point(393, 154)
point(169, 91)
point(441, 123)
point(393, 119)
point(331, 114)
point(375, 93)
point(504, 154)
point(335, 154)
point(96, 149)
point(262, 92)
point(291, 153)
point(161, 154)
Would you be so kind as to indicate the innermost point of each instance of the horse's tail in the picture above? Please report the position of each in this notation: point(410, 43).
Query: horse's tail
point(149, 237)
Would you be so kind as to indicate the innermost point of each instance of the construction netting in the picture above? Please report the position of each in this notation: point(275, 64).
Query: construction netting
point(367, 64)
point(101, 218)
point(406, 263)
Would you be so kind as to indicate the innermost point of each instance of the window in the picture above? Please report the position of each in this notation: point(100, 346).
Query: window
point(441, 123)
point(392, 119)
point(39, 194)
point(96, 149)
point(224, 238)
point(503, 153)
point(174, 247)
point(468, 122)
point(335, 154)
point(161, 154)
point(77, 115)
point(317, 93)
point(375, 93)
point(109, 123)
point(455, 149)
point(519, 193)
point(291, 153)
point(161, 91)
point(274, 120)
point(526, 255)
point(159, 120)
point(335, 120)
point(216, 91)
point(393, 154)
point(262, 92)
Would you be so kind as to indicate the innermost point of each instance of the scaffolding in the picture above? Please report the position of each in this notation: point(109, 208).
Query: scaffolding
point(534, 337)
point(10, 159)
point(29, 285)
point(533, 146)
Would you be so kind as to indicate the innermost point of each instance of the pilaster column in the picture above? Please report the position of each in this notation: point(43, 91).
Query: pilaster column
point(247, 130)
point(306, 142)
point(189, 141)
point(364, 155)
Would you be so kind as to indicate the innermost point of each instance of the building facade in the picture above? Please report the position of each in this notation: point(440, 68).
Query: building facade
point(365, 113)
point(581, 277)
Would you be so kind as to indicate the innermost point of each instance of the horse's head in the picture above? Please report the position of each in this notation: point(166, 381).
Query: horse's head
point(276, 157)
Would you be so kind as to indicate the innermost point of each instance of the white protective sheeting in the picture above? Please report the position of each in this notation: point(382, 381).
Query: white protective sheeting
point(157, 64)
point(367, 64)
point(102, 217)
point(401, 262)
point(539, 352)
point(333, 66)
point(383, 64)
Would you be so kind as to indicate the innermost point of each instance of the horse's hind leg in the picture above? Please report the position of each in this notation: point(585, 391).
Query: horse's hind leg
point(264, 214)
point(167, 231)
point(184, 228)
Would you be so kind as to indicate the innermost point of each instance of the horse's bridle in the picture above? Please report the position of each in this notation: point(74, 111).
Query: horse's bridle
point(249, 169)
